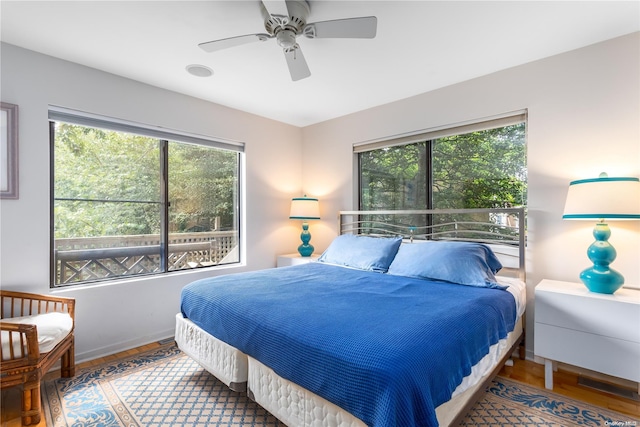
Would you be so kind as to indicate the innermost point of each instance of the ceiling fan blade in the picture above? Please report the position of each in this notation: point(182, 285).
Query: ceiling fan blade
point(298, 67)
point(216, 45)
point(276, 7)
point(358, 28)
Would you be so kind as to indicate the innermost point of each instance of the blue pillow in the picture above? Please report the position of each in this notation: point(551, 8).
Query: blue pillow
point(465, 263)
point(362, 252)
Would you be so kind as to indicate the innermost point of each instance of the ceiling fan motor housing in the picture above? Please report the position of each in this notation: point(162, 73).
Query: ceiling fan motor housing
point(294, 23)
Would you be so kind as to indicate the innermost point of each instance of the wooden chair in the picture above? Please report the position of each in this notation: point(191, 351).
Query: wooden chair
point(21, 360)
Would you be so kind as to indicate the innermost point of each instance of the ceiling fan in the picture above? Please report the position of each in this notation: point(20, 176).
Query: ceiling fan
point(285, 20)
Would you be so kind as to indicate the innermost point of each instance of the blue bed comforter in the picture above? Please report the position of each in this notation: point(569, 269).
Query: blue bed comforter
point(388, 349)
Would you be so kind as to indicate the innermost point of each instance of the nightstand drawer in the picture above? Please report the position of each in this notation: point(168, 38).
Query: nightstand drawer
point(572, 306)
point(597, 316)
point(611, 356)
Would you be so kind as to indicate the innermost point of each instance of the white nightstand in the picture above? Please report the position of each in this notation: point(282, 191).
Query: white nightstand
point(595, 331)
point(295, 259)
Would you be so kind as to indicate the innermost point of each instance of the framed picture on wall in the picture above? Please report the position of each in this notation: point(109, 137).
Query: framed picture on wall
point(9, 151)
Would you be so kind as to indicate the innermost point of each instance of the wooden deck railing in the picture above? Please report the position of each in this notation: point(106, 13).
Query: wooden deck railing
point(98, 258)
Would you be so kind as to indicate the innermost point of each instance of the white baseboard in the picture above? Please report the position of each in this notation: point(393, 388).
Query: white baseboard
point(122, 346)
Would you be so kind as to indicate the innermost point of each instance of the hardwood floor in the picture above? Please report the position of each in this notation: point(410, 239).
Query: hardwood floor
point(565, 383)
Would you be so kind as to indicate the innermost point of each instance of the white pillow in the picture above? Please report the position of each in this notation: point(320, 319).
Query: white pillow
point(52, 328)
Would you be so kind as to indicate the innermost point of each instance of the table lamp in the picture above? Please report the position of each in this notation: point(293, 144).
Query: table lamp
point(305, 208)
point(603, 198)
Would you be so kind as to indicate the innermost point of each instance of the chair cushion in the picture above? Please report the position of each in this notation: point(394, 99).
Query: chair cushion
point(52, 328)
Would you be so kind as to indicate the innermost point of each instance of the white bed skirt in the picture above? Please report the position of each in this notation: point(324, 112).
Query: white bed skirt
point(292, 404)
point(296, 406)
point(226, 363)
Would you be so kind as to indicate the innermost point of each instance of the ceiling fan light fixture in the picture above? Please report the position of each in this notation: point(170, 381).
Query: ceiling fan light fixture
point(286, 39)
point(199, 70)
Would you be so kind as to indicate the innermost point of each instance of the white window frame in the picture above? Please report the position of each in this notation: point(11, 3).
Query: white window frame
point(501, 120)
point(62, 114)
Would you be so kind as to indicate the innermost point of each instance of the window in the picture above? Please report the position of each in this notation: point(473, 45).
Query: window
point(129, 200)
point(480, 165)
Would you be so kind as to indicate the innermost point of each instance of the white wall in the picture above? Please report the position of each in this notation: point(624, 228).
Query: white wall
point(584, 118)
point(129, 313)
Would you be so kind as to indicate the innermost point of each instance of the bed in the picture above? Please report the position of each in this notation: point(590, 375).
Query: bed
point(401, 322)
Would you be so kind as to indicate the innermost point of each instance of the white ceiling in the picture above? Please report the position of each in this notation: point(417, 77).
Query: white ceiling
point(420, 46)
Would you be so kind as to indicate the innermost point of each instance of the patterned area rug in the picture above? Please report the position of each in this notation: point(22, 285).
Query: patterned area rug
point(510, 403)
point(164, 387)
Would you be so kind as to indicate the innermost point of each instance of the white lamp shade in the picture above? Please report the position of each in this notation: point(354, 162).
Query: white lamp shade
point(304, 208)
point(603, 198)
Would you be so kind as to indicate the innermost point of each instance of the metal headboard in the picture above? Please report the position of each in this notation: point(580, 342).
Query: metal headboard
point(503, 229)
